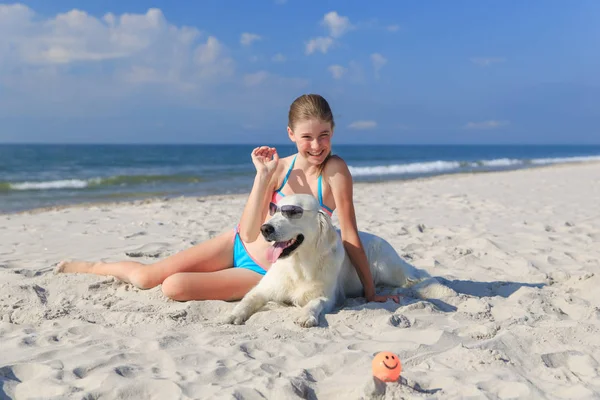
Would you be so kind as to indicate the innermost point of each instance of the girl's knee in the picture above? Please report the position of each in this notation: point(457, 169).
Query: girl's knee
point(174, 287)
point(143, 278)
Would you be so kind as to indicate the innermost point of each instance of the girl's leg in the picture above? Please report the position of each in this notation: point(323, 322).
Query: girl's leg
point(209, 256)
point(228, 284)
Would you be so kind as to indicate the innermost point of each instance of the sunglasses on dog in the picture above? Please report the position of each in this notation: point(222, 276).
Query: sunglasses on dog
point(289, 211)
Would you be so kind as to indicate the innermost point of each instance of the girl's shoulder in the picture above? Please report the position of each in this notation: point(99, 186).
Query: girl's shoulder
point(336, 172)
point(335, 165)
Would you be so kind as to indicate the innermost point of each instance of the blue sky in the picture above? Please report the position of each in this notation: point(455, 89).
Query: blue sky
point(443, 72)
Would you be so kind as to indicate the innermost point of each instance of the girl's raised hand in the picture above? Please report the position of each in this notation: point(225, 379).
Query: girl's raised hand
point(265, 159)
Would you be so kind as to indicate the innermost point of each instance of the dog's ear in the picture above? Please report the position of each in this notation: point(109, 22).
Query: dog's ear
point(327, 234)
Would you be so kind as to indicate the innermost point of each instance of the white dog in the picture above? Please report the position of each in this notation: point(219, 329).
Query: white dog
point(313, 271)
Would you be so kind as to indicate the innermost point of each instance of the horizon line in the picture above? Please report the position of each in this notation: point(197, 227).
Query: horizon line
point(282, 144)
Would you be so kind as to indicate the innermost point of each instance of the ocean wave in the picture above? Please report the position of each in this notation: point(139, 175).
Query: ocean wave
point(441, 166)
point(400, 169)
point(59, 184)
point(501, 162)
point(560, 160)
point(120, 180)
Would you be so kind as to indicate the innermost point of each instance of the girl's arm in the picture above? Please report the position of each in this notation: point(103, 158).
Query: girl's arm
point(341, 187)
point(265, 159)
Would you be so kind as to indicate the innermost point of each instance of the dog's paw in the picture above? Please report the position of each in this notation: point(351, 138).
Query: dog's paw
point(234, 319)
point(225, 320)
point(307, 320)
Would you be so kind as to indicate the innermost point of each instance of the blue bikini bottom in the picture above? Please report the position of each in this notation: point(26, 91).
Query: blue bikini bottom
point(241, 257)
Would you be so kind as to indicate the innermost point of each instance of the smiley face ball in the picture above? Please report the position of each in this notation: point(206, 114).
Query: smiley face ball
point(386, 366)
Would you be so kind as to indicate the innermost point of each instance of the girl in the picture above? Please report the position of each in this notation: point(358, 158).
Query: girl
point(226, 267)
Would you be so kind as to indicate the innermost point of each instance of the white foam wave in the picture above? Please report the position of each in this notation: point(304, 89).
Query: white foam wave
point(61, 184)
point(564, 160)
point(438, 166)
point(413, 168)
point(501, 162)
point(447, 166)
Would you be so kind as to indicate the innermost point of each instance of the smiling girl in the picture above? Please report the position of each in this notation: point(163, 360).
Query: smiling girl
point(227, 266)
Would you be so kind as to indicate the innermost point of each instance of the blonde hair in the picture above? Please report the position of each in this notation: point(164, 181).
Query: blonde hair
point(311, 106)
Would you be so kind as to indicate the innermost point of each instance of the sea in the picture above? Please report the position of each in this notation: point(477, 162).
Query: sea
point(35, 176)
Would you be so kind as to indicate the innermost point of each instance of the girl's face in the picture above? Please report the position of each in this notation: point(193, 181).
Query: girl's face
point(313, 139)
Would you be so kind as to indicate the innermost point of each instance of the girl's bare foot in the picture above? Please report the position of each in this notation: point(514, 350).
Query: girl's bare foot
point(132, 272)
point(69, 266)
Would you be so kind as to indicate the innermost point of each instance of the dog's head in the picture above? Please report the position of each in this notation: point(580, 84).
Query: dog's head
point(298, 223)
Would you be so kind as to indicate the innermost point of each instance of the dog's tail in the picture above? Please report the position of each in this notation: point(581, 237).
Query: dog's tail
point(419, 282)
point(431, 288)
point(391, 267)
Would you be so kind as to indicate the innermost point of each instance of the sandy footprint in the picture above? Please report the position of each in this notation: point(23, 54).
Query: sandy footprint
point(476, 309)
point(479, 332)
point(575, 361)
point(152, 250)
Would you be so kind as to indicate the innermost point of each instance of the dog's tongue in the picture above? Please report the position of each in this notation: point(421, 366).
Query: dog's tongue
point(275, 251)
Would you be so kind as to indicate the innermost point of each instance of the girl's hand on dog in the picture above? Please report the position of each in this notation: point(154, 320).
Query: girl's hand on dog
point(265, 160)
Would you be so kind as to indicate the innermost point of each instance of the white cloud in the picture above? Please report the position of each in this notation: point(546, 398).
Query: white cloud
point(336, 24)
point(14, 16)
point(278, 58)
point(337, 71)
point(483, 125)
point(76, 36)
point(378, 62)
point(393, 28)
point(210, 60)
point(144, 44)
point(77, 64)
point(321, 44)
point(363, 125)
point(209, 52)
point(487, 61)
point(246, 39)
point(352, 73)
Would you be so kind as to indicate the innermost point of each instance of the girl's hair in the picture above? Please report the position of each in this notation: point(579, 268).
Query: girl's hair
point(311, 106)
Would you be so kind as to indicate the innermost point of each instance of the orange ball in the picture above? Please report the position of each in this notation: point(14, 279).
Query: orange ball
point(386, 366)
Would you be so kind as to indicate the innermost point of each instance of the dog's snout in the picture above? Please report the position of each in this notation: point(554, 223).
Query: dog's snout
point(267, 230)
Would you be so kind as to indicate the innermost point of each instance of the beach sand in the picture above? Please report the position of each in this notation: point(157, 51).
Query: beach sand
point(521, 249)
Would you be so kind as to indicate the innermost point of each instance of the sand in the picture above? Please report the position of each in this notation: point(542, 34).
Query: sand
point(520, 248)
